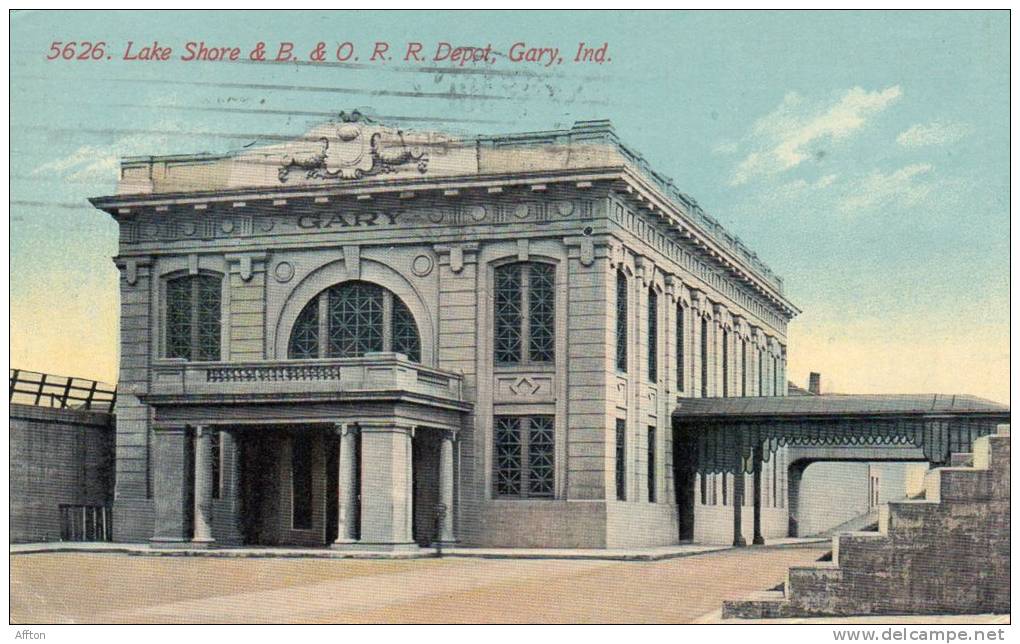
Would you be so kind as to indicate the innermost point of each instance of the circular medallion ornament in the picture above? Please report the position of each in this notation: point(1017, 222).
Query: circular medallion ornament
point(476, 212)
point(283, 272)
point(565, 208)
point(521, 210)
point(227, 226)
point(435, 216)
point(189, 228)
point(265, 225)
point(422, 265)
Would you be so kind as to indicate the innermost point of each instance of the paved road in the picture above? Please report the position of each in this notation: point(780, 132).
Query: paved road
point(118, 588)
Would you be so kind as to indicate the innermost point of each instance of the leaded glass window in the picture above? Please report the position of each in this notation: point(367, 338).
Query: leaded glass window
point(725, 364)
point(304, 340)
point(193, 317)
point(743, 367)
point(621, 321)
point(653, 335)
point(524, 457)
point(621, 459)
point(651, 464)
point(679, 347)
point(704, 358)
point(524, 313)
point(354, 318)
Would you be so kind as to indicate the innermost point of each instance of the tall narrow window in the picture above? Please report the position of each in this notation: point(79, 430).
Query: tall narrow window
point(621, 321)
point(725, 489)
point(703, 480)
point(679, 347)
point(525, 313)
point(725, 367)
point(651, 464)
point(743, 367)
point(704, 358)
point(653, 336)
point(193, 317)
point(761, 370)
point(524, 458)
point(621, 459)
point(216, 447)
point(351, 319)
point(301, 482)
point(775, 475)
point(775, 376)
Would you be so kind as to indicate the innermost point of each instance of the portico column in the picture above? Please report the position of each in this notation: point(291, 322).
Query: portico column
point(347, 473)
point(203, 486)
point(386, 486)
point(757, 456)
point(446, 534)
point(738, 505)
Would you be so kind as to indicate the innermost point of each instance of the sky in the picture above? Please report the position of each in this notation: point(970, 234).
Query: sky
point(863, 155)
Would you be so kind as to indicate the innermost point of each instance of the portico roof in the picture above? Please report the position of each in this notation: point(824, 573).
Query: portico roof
point(729, 432)
point(835, 405)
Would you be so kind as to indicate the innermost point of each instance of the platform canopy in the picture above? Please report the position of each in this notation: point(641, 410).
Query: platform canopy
point(732, 433)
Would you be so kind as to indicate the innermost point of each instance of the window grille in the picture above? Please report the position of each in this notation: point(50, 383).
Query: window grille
point(725, 364)
point(621, 459)
point(653, 336)
point(704, 358)
point(651, 464)
point(679, 347)
point(352, 317)
point(193, 317)
point(524, 458)
point(621, 321)
point(525, 313)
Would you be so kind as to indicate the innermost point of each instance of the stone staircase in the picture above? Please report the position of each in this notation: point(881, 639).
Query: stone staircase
point(947, 553)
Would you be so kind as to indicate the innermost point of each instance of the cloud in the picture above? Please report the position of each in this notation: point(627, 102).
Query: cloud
point(904, 187)
point(782, 139)
point(934, 133)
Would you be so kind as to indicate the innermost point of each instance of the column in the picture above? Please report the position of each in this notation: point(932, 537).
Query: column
point(446, 534)
point(386, 486)
point(738, 504)
point(170, 462)
point(757, 456)
point(347, 487)
point(203, 486)
point(232, 487)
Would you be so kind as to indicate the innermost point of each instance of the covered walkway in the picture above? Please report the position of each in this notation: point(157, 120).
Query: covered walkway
point(736, 435)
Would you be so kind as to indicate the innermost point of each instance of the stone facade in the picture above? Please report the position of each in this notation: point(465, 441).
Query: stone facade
point(396, 449)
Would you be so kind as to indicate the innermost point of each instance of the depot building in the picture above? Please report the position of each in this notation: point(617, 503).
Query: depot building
point(381, 339)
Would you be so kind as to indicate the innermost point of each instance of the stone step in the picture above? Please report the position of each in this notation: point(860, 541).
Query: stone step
point(905, 514)
point(822, 577)
point(955, 484)
point(961, 459)
point(854, 550)
point(770, 604)
point(992, 453)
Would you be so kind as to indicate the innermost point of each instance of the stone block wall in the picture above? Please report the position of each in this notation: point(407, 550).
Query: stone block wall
point(57, 456)
point(945, 554)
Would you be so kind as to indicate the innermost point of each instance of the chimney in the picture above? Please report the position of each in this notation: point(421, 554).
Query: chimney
point(815, 383)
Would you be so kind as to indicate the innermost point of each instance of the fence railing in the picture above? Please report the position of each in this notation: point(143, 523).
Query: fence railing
point(85, 522)
point(48, 390)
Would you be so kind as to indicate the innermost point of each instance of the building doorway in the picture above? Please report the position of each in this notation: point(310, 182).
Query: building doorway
point(685, 469)
point(425, 485)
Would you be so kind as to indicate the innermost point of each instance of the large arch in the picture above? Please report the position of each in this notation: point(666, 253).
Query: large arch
point(334, 273)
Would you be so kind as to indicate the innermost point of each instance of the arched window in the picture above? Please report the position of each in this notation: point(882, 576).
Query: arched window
point(525, 313)
point(193, 317)
point(351, 319)
point(621, 321)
